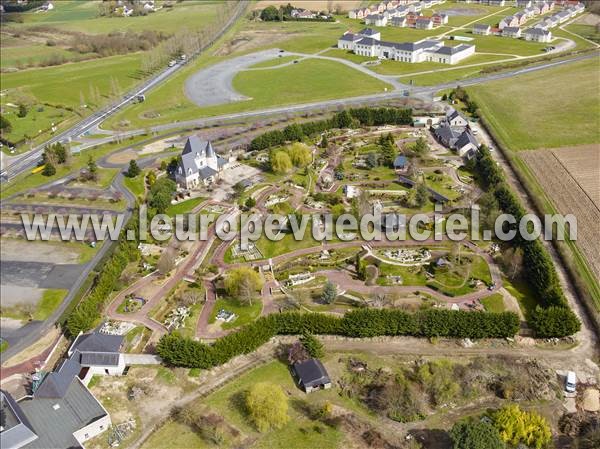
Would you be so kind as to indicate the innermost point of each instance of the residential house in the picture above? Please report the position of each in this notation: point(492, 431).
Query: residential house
point(398, 22)
point(446, 135)
point(199, 164)
point(466, 145)
point(521, 17)
point(411, 18)
point(98, 353)
point(439, 19)
point(562, 16)
point(415, 7)
point(482, 29)
point(359, 13)
point(455, 118)
point(514, 32)
point(452, 55)
point(379, 20)
point(538, 35)
point(523, 3)
point(370, 32)
point(311, 375)
point(424, 23)
point(509, 21)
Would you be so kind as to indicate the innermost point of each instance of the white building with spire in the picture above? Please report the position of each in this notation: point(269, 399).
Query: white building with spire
point(199, 164)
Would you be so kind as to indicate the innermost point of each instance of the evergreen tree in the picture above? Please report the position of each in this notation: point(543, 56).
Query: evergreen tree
point(134, 169)
point(313, 346)
point(49, 169)
point(329, 293)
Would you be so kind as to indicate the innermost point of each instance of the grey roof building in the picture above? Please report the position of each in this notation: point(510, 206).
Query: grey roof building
point(311, 375)
point(446, 135)
point(96, 348)
point(15, 429)
point(56, 420)
point(199, 163)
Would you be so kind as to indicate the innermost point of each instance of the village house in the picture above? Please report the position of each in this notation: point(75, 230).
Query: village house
point(401, 164)
point(359, 13)
point(424, 23)
point(523, 3)
point(311, 375)
point(466, 145)
point(398, 21)
point(509, 21)
point(514, 32)
point(98, 354)
point(199, 164)
point(482, 29)
point(538, 35)
point(379, 20)
point(455, 118)
point(439, 19)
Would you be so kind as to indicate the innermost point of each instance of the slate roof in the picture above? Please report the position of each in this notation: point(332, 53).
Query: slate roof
point(445, 133)
point(16, 428)
point(196, 146)
point(98, 342)
point(350, 37)
point(55, 419)
point(452, 113)
point(481, 26)
point(537, 31)
point(368, 41)
point(375, 16)
point(311, 373)
point(445, 50)
point(368, 32)
point(511, 29)
point(56, 384)
point(465, 139)
point(206, 172)
point(398, 19)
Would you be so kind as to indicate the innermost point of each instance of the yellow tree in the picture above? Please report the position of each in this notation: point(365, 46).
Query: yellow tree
point(267, 406)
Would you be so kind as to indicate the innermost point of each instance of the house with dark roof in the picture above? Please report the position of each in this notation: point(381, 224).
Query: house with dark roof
point(466, 145)
point(514, 32)
point(15, 429)
point(401, 164)
point(482, 29)
point(538, 35)
point(379, 20)
point(311, 375)
point(424, 23)
point(455, 118)
point(97, 353)
point(199, 164)
point(446, 135)
point(399, 21)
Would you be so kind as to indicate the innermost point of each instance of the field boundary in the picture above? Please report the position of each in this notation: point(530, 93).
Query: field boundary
point(579, 275)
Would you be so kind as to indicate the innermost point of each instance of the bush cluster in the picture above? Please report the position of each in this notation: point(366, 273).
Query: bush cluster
point(344, 119)
point(539, 269)
point(180, 351)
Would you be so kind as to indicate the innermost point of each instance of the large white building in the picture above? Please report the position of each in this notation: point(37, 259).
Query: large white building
point(368, 43)
point(199, 164)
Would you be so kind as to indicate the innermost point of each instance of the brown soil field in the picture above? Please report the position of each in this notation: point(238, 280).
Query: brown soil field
point(315, 5)
point(564, 183)
point(583, 163)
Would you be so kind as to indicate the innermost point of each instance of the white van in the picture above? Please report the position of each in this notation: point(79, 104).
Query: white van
point(571, 382)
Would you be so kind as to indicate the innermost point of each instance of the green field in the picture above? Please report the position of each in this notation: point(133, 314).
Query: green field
point(504, 45)
point(135, 185)
point(183, 207)
point(587, 31)
point(527, 112)
point(84, 17)
point(274, 62)
point(51, 299)
point(245, 313)
point(493, 303)
point(299, 433)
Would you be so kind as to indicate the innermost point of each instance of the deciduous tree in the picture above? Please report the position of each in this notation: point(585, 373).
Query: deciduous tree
point(267, 406)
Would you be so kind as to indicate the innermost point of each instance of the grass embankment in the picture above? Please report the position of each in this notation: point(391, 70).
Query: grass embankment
point(183, 207)
point(50, 300)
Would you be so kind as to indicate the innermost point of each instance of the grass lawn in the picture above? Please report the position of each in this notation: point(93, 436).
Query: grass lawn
point(183, 207)
point(499, 44)
point(270, 248)
point(524, 294)
point(245, 313)
point(135, 185)
point(298, 433)
point(494, 303)
point(48, 304)
point(3, 345)
point(588, 31)
point(526, 115)
point(83, 17)
point(189, 328)
point(30, 180)
point(388, 67)
point(14, 56)
point(309, 80)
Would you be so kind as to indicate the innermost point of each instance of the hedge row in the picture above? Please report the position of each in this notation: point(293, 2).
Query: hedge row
point(179, 351)
point(344, 119)
point(539, 269)
point(89, 311)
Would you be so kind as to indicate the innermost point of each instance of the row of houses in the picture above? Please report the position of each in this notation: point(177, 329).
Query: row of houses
point(61, 412)
point(523, 16)
point(410, 19)
point(454, 132)
point(368, 43)
point(540, 32)
point(393, 8)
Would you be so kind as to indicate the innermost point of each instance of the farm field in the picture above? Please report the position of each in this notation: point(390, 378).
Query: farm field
point(526, 113)
point(559, 173)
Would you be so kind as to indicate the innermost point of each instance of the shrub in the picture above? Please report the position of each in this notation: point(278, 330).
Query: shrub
point(554, 321)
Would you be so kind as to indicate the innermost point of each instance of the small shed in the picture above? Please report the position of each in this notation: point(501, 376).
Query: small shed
point(311, 375)
point(400, 164)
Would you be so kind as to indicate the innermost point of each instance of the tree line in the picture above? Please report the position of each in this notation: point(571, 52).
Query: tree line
point(350, 118)
point(180, 351)
point(552, 317)
point(88, 312)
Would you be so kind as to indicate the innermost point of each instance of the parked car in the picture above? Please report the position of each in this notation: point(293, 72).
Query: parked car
point(571, 382)
point(172, 63)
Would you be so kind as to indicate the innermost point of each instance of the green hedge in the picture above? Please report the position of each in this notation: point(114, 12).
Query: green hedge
point(180, 351)
point(88, 312)
point(539, 269)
